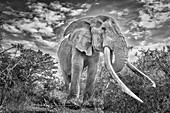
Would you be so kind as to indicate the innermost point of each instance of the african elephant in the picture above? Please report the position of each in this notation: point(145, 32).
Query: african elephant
point(84, 40)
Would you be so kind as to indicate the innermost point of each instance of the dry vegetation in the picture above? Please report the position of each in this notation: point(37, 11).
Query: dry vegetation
point(22, 89)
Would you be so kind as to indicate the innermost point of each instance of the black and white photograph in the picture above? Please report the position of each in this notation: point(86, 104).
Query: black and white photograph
point(84, 56)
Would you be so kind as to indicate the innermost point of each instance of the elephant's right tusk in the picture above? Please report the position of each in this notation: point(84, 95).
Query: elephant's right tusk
point(115, 76)
point(138, 72)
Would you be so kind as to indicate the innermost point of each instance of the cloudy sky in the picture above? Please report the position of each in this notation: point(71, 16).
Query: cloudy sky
point(38, 24)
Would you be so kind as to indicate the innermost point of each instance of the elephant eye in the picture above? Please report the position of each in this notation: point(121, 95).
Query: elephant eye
point(98, 24)
point(103, 28)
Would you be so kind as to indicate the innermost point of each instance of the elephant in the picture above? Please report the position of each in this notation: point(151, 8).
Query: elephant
point(84, 40)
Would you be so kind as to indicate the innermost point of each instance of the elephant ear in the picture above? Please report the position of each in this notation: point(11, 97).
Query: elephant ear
point(80, 36)
point(77, 25)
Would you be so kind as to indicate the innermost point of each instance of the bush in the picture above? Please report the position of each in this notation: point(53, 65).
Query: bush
point(156, 100)
point(27, 78)
point(21, 71)
point(155, 61)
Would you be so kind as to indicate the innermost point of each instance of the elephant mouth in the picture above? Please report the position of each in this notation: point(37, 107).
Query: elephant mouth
point(108, 65)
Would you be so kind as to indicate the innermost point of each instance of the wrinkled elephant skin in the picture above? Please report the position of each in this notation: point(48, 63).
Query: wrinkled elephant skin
point(86, 38)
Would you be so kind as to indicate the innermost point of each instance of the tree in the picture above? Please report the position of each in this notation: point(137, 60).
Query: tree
point(22, 70)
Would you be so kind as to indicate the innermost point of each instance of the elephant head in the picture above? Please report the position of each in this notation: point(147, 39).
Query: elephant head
point(102, 34)
point(80, 36)
point(106, 33)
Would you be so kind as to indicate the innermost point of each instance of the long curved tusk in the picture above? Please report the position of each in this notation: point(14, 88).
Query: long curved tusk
point(138, 72)
point(115, 76)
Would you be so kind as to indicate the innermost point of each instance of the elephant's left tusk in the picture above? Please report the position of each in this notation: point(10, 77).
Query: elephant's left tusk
point(115, 76)
point(138, 72)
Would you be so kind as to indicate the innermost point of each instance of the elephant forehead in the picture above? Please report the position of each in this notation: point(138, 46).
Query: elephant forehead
point(112, 28)
point(80, 34)
point(76, 25)
point(79, 24)
point(97, 23)
point(81, 39)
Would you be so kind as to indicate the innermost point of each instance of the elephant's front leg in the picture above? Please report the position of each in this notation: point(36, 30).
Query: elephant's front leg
point(77, 67)
point(91, 75)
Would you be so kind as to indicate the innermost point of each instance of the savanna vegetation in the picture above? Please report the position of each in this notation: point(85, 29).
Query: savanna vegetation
point(29, 83)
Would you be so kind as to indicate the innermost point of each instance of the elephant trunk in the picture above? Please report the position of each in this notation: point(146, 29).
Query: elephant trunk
point(108, 65)
point(120, 54)
point(120, 58)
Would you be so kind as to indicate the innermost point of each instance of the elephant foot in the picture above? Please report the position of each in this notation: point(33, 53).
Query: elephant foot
point(73, 103)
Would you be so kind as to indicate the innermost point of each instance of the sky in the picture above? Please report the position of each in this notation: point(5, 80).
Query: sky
point(39, 24)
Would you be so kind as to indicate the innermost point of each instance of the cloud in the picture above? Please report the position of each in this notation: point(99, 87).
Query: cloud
point(83, 8)
point(42, 18)
point(97, 3)
point(166, 41)
point(76, 12)
point(11, 28)
point(85, 5)
point(49, 14)
point(65, 9)
point(136, 32)
point(154, 14)
point(153, 17)
point(113, 12)
point(36, 26)
point(146, 20)
point(55, 5)
point(45, 43)
point(119, 13)
point(13, 13)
